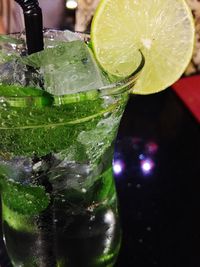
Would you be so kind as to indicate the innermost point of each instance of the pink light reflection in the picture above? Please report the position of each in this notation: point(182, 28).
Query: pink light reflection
point(152, 147)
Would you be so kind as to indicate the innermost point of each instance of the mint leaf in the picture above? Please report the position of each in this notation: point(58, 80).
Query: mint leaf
point(23, 199)
point(26, 199)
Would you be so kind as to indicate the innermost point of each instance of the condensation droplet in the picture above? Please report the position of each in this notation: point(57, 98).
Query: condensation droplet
point(83, 190)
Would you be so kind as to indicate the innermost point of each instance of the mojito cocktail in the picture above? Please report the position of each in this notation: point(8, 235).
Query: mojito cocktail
point(59, 115)
point(59, 118)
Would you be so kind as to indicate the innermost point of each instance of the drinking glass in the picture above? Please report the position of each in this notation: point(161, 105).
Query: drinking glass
point(59, 202)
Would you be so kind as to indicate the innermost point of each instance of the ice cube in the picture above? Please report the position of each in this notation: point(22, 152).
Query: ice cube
point(12, 69)
point(67, 68)
point(11, 47)
point(17, 73)
point(11, 72)
point(53, 38)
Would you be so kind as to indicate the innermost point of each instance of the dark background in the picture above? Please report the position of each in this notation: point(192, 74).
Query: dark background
point(160, 207)
point(160, 210)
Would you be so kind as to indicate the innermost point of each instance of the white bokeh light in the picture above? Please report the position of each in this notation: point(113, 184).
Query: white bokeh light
point(71, 4)
point(147, 165)
point(118, 167)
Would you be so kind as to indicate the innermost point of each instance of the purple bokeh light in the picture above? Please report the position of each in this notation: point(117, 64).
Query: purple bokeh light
point(147, 166)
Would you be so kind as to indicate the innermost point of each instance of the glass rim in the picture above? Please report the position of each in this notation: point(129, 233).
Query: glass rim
point(114, 88)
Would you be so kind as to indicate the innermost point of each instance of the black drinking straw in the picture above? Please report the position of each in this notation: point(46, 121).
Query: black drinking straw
point(33, 25)
point(34, 39)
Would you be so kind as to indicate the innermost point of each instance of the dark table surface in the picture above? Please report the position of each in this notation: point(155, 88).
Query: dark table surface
point(157, 167)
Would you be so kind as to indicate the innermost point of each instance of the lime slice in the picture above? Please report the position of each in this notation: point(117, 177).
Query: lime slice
point(163, 30)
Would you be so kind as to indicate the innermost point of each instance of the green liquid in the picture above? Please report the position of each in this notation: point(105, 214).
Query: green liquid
point(58, 194)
